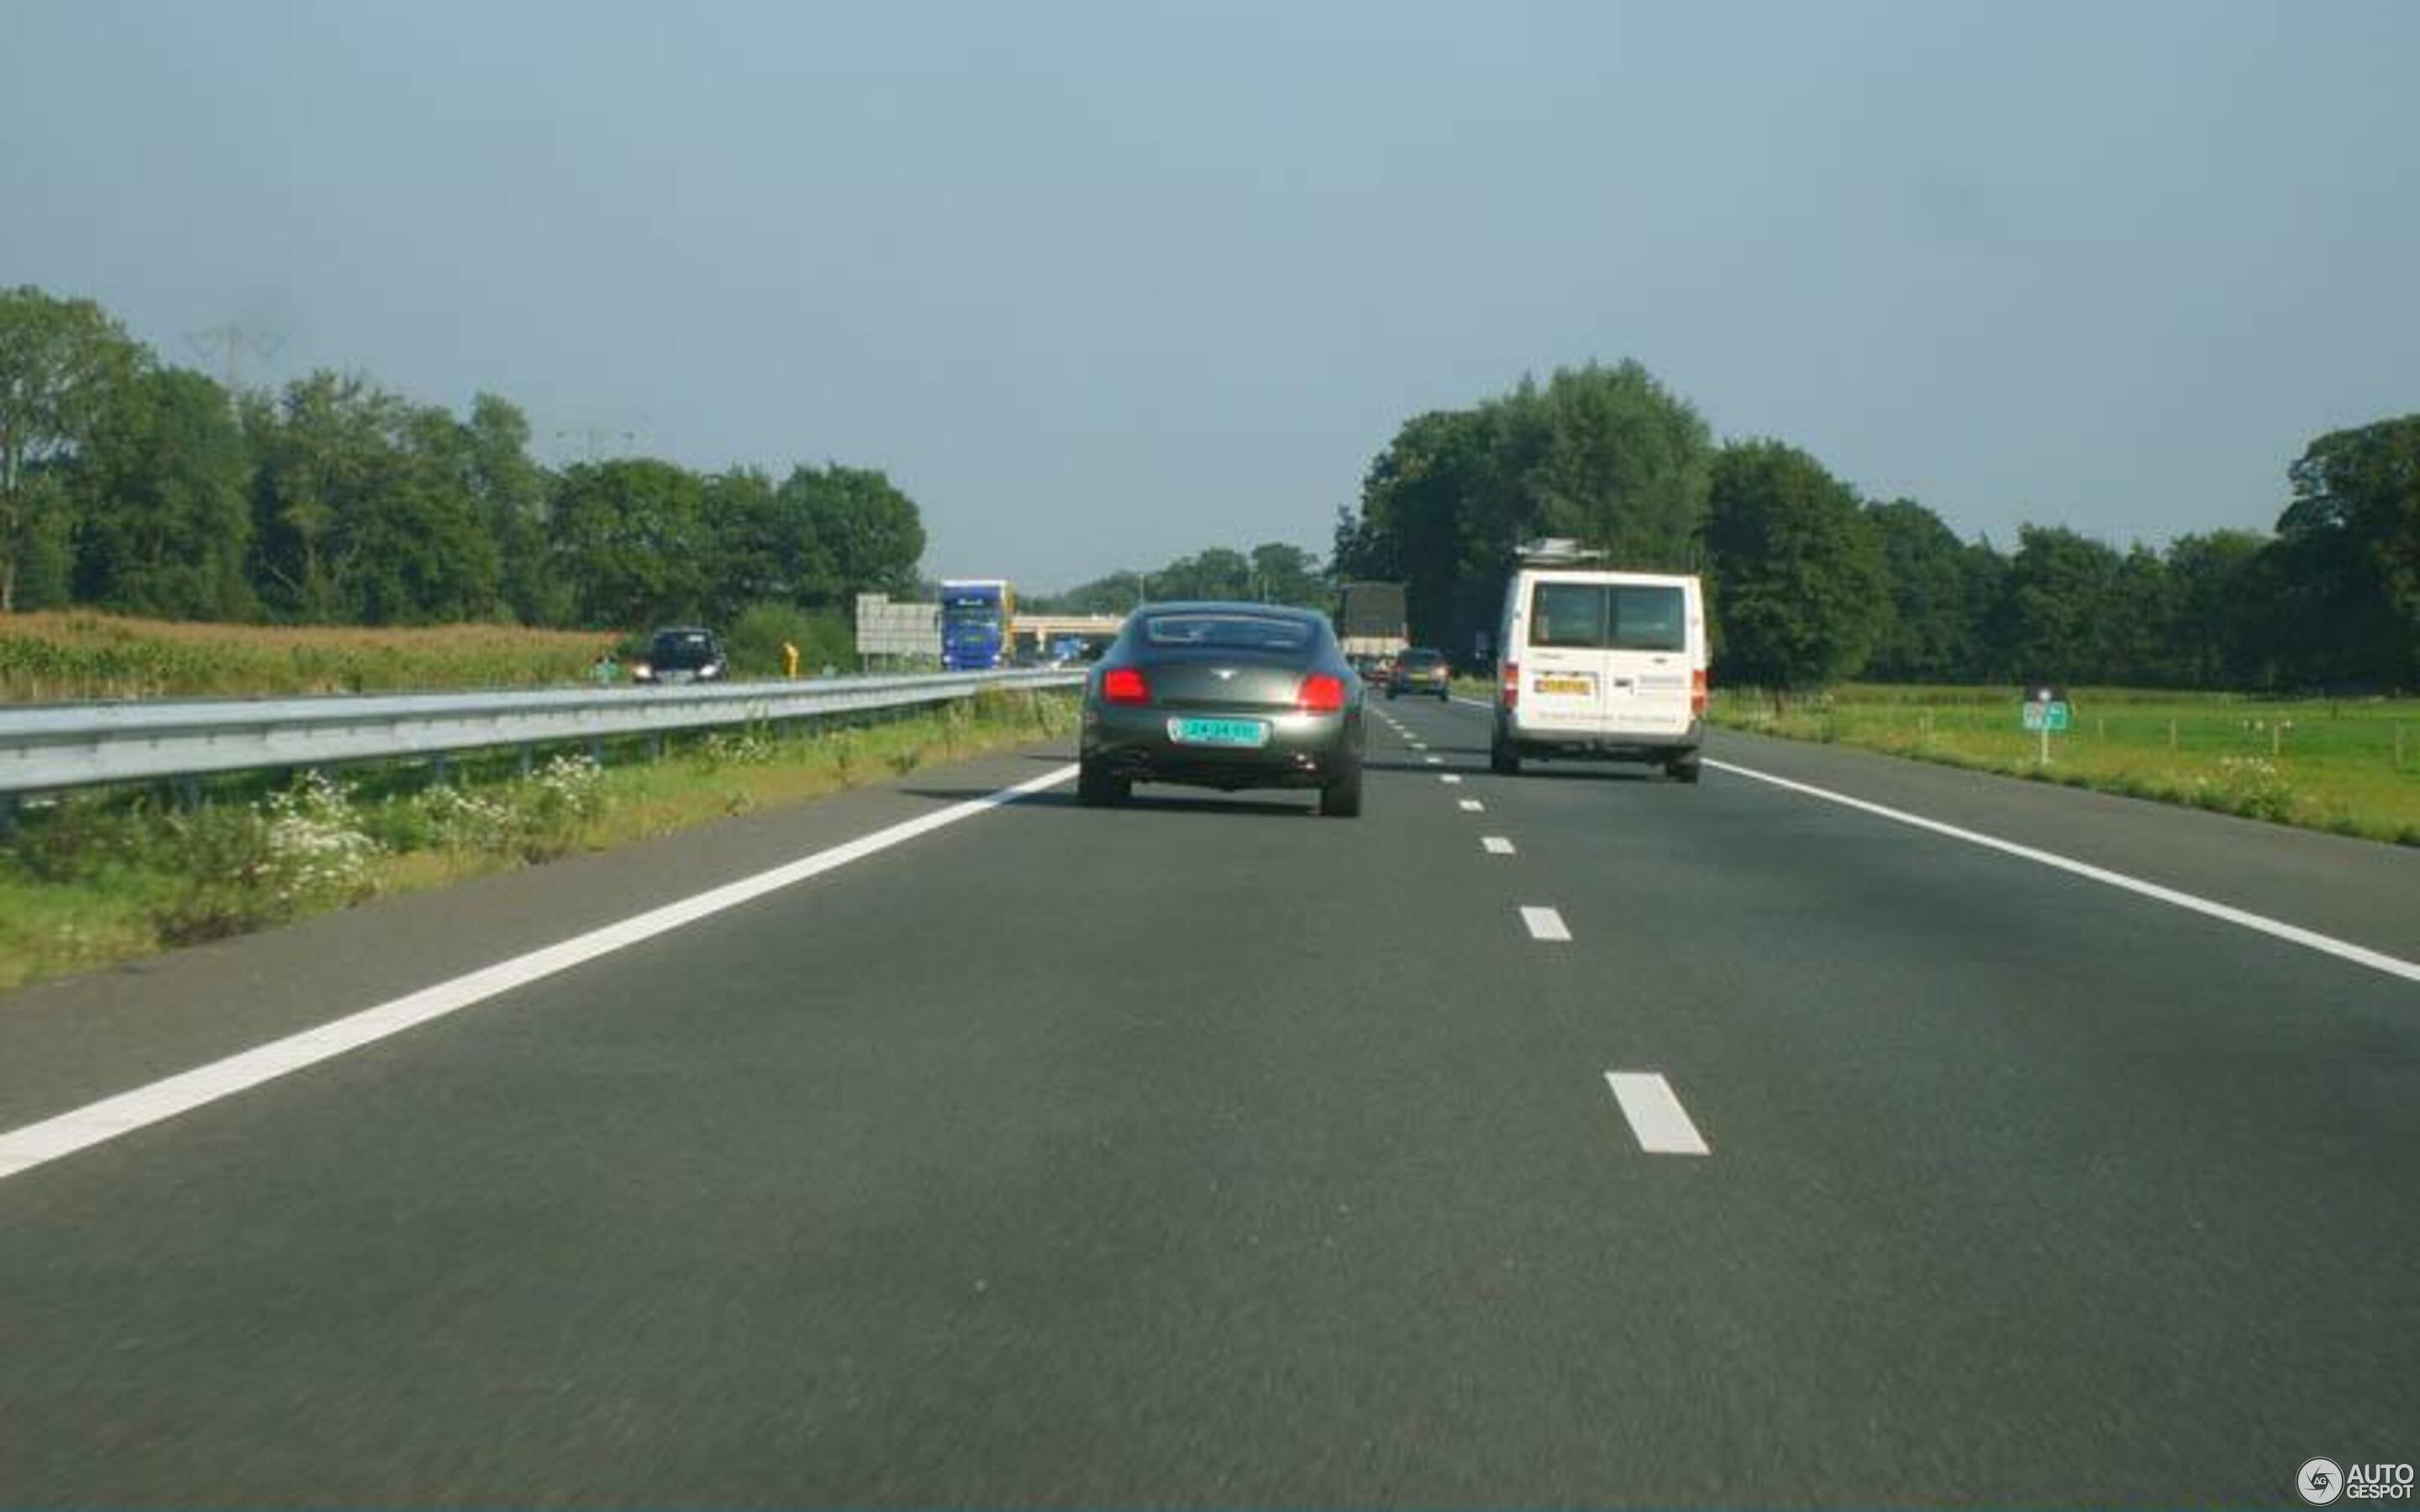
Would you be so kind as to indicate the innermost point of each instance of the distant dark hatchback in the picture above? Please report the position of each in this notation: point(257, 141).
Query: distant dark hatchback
point(1226, 696)
point(1419, 671)
point(680, 654)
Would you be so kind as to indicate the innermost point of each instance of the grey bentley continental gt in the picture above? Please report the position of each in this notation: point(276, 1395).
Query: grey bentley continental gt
point(1226, 696)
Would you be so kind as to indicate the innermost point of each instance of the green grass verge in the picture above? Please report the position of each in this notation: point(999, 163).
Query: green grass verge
point(104, 877)
point(2349, 766)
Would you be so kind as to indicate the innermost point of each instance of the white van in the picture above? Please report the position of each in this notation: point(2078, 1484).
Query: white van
point(1603, 665)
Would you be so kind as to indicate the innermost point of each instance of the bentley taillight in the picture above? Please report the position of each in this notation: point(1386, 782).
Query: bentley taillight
point(1321, 693)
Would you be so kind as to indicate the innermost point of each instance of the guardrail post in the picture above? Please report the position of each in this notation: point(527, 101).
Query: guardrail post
point(189, 792)
point(525, 759)
point(441, 770)
point(597, 751)
point(8, 813)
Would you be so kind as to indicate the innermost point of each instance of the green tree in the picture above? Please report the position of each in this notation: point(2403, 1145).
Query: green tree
point(869, 533)
point(320, 446)
point(1287, 573)
point(2216, 629)
point(1621, 463)
point(2058, 608)
point(509, 489)
point(631, 538)
point(417, 547)
point(165, 523)
point(2349, 545)
point(2141, 635)
point(767, 549)
point(61, 362)
point(1799, 580)
point(1604, 455)
point(1934, 619)
point(363, 508)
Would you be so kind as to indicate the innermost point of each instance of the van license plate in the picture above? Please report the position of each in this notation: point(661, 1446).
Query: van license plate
point(1247, 733)
point(1564, 684)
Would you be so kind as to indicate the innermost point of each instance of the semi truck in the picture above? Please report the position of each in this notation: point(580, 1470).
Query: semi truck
point(975, 617)
point(1369, 622)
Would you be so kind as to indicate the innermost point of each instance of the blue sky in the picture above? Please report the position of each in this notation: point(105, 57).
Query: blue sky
point(1102, 283)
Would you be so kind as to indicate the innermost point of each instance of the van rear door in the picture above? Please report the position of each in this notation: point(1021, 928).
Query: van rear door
point(1562, 672)
point(1647, 657)
point(1608, 656)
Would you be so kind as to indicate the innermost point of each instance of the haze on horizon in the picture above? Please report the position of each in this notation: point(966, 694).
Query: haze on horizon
point(1099, 285)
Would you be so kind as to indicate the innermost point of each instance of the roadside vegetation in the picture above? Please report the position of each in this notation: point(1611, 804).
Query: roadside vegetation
point(76, 654)
point(68, 655)
point(103, 877)
point(2348, 765)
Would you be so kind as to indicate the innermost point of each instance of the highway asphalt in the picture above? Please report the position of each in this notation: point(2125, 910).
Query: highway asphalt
point(1204, 1151)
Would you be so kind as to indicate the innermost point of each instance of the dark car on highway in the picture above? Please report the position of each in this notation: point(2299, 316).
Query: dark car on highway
point(1226, 696)
point(680, 654)
point(1419, 671)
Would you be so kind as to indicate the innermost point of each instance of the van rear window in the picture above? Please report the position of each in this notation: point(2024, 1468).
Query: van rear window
point(1608, 617)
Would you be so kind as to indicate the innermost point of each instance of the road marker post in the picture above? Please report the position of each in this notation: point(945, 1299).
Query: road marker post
point(2045, 710)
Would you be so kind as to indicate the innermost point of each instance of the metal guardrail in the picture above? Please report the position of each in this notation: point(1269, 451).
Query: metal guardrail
point(82, 744)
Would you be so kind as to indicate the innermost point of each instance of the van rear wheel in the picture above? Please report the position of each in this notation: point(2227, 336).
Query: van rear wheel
point(1684, 770)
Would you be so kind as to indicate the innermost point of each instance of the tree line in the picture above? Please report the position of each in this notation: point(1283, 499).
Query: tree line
point(1273, 572)
point(1811, 582)
point(136, 485)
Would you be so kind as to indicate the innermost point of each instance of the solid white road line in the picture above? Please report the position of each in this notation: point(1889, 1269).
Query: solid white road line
point(1473, 806)
point(2278, 928)
point(1496, 844)
point(21, 1150)
point(1656, 1116)
point(1544, 924)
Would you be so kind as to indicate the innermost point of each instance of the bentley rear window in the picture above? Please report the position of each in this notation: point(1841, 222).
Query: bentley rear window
point(1229, 632)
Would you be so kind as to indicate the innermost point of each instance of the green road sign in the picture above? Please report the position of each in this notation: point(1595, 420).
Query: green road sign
point(2051, 716)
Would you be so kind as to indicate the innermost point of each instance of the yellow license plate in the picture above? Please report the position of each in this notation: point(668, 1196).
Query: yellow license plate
point(1564, 684)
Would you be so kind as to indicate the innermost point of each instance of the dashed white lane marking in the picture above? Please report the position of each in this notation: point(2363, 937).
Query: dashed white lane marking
point(1473, 806)
point(1419, 744)
point(1496, 844)
point(1656, 1116)
point(35, 1144)
point(1449, 778)
point(1433, 761)
point(2278, 928)
point(1544, 924)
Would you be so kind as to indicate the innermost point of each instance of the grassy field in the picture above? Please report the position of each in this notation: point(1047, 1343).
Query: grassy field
point(2351, 767)
point(103, 877)
point(58, 657)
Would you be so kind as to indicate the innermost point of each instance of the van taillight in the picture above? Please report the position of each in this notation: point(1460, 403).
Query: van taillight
point(1697, 690)
point(1511, 690)
point(1321, 693)
point(1124, 685)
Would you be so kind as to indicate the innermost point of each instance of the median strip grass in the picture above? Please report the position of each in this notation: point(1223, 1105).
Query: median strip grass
point(98, 878)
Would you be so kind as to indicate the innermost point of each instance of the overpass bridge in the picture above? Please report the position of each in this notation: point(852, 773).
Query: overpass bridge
point(1035, 632)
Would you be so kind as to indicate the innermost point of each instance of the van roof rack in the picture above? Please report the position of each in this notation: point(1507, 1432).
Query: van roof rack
point(1557, 549)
